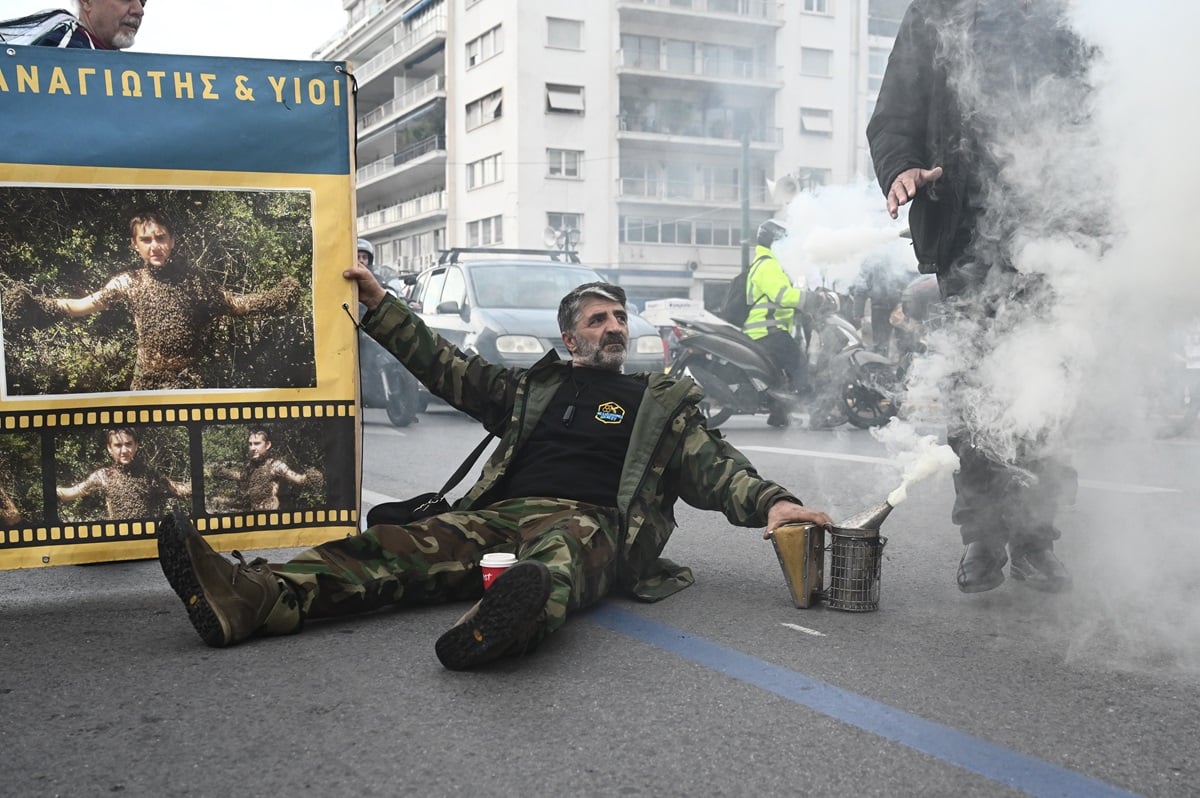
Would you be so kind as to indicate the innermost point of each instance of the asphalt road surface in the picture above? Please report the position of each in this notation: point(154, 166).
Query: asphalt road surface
point(726, 689)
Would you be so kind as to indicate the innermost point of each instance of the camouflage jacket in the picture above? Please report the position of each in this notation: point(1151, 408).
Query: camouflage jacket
point(672, 454)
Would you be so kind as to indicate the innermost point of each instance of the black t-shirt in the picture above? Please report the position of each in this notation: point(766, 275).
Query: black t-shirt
point(579, 445)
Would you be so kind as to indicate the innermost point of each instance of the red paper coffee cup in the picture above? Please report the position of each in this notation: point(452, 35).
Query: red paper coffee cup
point(492, 565)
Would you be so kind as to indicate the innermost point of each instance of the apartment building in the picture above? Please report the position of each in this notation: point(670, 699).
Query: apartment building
point(643, 133)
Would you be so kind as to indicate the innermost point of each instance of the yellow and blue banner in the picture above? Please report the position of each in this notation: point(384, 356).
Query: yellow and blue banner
point(173, 231)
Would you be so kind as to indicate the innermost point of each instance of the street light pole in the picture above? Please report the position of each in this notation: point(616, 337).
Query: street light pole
point(744, 120)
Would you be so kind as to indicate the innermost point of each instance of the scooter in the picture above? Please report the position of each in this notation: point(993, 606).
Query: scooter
point(739, 378)
point(386, 383)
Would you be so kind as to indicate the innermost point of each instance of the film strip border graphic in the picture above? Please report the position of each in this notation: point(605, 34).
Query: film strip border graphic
point(209, 412)
point(341, 511)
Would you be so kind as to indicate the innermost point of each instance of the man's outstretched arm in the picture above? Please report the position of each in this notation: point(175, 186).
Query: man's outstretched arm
point(280, 297)
point(93, 483)
point(61, 307)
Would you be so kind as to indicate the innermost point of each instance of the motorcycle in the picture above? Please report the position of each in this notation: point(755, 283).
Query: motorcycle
point(738, 376)
point(386, 383)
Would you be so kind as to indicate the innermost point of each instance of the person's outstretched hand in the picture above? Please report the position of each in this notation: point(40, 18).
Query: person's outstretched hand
point(905, 186)
point(370, 292)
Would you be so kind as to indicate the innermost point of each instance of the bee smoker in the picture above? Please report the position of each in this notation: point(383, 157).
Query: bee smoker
point(855, 555)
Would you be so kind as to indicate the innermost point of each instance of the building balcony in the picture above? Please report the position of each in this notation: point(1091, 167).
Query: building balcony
point(402, 103)
point(694, 131)
point(422, 38)
point(703, 12)
point(699, 69)
point(680, 192)
point(422, 152)
point(413, 210)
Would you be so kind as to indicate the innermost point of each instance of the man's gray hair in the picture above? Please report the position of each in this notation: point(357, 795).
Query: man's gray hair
point(568, 308)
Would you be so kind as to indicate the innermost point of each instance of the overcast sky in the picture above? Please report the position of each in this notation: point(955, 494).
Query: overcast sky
point(289, 29)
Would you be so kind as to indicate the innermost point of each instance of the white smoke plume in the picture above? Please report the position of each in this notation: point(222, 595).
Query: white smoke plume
point(1077, 374)
point(918, 456)
point(832, 230)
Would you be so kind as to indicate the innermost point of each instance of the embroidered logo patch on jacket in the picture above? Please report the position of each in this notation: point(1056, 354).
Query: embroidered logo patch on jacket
point(610, 413)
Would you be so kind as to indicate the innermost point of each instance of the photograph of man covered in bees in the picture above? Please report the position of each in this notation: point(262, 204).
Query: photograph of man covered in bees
point(21, 496)
point(122, 473)
point(116, 290)
point(260, 467)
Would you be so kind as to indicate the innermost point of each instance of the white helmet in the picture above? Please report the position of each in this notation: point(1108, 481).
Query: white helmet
point(365, 246)
point(771, 231)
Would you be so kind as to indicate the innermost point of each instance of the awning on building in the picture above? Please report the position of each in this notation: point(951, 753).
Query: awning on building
point(565, 98)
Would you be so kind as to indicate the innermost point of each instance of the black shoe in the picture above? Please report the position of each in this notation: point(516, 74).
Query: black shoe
point(778, 420)
point(981, 568)
point(226, 602)
point(502, 622)
point(1040, 569)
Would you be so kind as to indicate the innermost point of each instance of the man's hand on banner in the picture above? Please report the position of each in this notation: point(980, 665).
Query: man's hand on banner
point(370, 292)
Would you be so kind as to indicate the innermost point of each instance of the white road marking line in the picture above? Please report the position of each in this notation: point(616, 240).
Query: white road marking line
point(1121, 487)
point(1109, 487)
point(804, 629)
point(372, 498)
point(853, 458)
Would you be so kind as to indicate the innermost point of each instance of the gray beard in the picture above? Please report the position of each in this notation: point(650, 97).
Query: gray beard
point(123, 39)
point(598, 357)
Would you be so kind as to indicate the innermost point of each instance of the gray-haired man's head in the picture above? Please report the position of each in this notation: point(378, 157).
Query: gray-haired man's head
point(595, 325)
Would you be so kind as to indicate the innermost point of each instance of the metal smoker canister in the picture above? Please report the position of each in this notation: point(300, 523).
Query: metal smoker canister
point(855, 559)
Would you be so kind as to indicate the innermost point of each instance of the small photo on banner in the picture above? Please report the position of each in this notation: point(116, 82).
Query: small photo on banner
point(121, 473)
point(257, 467)
point(22, 498)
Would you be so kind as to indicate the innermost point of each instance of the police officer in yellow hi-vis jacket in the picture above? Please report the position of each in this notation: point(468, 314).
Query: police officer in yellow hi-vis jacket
point(773, 302)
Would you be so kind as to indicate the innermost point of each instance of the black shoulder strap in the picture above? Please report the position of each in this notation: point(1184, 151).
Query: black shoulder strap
point(462, 470)
point(750, 282)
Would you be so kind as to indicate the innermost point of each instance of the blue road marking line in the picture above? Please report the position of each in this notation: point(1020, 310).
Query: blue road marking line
point(990, 760)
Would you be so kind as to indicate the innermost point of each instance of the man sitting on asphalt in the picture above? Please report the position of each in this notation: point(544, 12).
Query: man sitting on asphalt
point(581, 488)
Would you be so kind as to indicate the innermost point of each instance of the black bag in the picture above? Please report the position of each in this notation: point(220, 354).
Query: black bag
point(426, 504)
point(734, 308)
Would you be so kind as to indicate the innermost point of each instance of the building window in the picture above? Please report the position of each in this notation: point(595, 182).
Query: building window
point(809, 177)
point(816, 62)
point(485, 109)
point(638, 179)
point(816, 6)
point(484, 172)
point(641, 230)
point(727, 61)
point(564, 33)
point(877, 62)
point(676, 232)
point(565, 223)
point(563, 163)
point(484, 46)
point(816, 121)
point(681, 56)
point(485, 232)
point(640, 52)
point(564, 99)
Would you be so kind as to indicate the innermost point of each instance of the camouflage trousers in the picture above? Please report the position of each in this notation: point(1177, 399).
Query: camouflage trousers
point(436, 560)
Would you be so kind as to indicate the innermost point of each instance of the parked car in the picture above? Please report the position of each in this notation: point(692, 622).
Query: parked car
point(503, 304)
